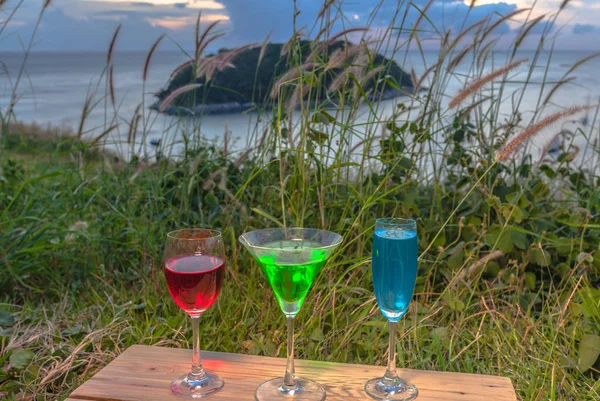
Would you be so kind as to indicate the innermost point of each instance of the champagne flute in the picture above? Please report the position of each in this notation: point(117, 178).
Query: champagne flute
point(194, 268)
point(291, 258)
point(394, 267)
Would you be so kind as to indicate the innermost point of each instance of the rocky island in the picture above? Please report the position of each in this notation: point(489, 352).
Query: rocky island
point(256, 77)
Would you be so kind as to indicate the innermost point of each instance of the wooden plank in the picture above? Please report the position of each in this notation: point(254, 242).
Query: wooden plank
point(143, 373)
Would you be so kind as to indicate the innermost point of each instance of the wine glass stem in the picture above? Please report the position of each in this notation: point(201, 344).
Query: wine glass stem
point(290, 374)
point(390, 373)
point(197, 372)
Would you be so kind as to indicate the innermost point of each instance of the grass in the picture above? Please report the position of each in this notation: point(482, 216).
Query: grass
point(508, 272)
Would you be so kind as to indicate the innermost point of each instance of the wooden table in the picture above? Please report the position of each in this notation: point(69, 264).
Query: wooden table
point(144, 373)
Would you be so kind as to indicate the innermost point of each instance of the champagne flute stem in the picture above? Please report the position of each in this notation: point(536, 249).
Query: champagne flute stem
point(197, 370)
point(290, 374)
point(390, 373)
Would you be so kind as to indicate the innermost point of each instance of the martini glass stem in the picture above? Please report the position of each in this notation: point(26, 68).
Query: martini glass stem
point(197, 372)
point(290, 374)
point(390, 372)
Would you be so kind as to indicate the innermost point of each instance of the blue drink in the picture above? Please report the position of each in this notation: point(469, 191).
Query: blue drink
point(395, 253)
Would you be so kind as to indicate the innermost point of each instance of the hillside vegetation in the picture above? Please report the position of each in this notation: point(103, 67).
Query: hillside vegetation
point(252, 74)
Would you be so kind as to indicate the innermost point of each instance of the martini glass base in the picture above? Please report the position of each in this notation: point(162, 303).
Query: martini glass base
point(401, 390)
point(187, 387)
point(274, 390)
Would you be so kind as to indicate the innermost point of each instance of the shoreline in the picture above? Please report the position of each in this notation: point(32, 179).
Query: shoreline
point(237, 107)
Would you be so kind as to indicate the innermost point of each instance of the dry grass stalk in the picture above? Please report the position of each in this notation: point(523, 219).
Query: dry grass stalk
point(466, 31)
point(149, 57)
point(111, 84)
point(340, 80)
point(111, 46)
point(84, 114)
point(371, 74)
point(203, 37)
point(204, 45)
point(322, 32)
point(580, 62)
point(557, 87)
point(419, 82)
point(197, 31)
point(526, 31)
point(422, 14)
point(47, 3)
point(133, 124)
point(103, 134)
point(459, 58)
point(476, 267)
point(502, 20)
point(288, 45)
point(325, 7)
point(344, 33)
point(536, 128)
point(299, 92)
point(473, 2)
point(175, 94)
point(485, 51)
point(338, 57)
point(572, 155)
point(551, 144)
point(223, 60)
point(207, 67)
point(564, 4)
point(413, 76)
point(181, 67)
point(475, 86)
point(289, 77)
point(263, 48)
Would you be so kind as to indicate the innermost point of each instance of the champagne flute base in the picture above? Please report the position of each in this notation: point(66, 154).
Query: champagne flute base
point(275, 390)
point(188, 387)
point(397, 390)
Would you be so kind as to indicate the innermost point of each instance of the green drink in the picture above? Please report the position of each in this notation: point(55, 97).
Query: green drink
point(291, 258)
point(291, 268)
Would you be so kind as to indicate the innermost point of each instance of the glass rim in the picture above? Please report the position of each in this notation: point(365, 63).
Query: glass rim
point(174, 234)
point(397, 222)
point(338, 240)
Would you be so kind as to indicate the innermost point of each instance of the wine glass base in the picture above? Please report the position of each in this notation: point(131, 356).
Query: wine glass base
point(274, 390)
point(377, 389)
point(187, 387)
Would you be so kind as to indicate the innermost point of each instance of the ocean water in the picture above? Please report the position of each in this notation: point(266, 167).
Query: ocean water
point(56, 86)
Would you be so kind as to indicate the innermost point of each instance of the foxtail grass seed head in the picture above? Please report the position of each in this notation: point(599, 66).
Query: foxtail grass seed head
point(534, 129)
point(111, 46)
point(338, 35)
point(175, 94)
point(149, 57)
point(111, 84)
point(475, 86)
point(564, 4)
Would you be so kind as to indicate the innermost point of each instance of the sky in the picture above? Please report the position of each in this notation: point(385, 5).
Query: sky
point(87, 25)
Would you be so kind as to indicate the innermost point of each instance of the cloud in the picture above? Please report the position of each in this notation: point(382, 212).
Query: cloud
point(178, 23)
point(251, 20)
point(88, 24)
point(583, 29)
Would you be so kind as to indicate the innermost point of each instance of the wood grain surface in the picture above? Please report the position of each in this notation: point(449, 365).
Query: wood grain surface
point(143, 373)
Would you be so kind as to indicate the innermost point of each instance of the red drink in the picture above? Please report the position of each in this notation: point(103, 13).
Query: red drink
point(194, 281)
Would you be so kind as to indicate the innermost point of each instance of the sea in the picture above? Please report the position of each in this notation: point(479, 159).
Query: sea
point(54, 88)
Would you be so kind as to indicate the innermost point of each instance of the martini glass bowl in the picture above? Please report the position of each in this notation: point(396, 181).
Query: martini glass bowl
point(291, 258)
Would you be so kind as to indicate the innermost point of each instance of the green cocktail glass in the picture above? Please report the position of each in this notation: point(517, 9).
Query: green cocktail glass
point(291, 258)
